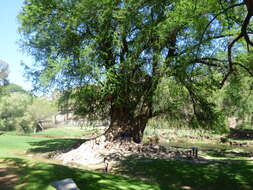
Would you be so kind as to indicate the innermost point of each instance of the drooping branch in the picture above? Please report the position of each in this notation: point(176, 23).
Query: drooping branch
point(245, 68)
point(225, 79)
point(243, 33)
point(215, 17)
point(230, 46)
point(209, 61)
point(220, 13)
point(249, 4)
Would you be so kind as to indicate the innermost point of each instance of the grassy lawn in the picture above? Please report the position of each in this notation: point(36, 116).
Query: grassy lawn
point(59, 132)
point(177, 175)
point(38, 175)
point(20, 166)
point(10, 145)
point(34, 175)
point(65, 132)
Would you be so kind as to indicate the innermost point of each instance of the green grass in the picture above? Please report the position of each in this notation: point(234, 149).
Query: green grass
point(234, 174)
point(38, 175)
point(65, 132)
point(174, 175)
point(9, 145)
point(13, 145)
point(34, 175)
point(60, 132)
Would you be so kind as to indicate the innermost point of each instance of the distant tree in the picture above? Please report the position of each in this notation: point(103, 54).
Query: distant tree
point(21, 111)
point(42, 108)
point(13, 113)
point(4, 72)
point(12, 88)
point(109, 56)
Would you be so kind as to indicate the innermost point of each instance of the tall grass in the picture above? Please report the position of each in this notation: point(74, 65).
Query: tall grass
point(166, 130)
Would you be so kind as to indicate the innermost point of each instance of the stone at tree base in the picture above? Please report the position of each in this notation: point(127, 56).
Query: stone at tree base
point(65, 184)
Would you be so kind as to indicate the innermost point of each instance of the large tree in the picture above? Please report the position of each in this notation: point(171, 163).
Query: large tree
point(109, 56)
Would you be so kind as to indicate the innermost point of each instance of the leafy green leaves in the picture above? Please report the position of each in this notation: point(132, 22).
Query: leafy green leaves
point(20, 111)
point(122, 53)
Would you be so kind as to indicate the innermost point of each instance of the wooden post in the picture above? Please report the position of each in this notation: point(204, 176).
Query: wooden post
point(106, 162)
point(195, 152)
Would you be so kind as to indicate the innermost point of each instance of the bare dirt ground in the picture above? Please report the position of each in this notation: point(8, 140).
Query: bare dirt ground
point(98, 152)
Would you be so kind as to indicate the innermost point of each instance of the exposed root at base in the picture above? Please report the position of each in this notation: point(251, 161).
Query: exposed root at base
point(93, 151)
point(96, 151)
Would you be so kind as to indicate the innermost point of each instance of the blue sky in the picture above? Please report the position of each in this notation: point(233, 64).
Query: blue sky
point(9, 37)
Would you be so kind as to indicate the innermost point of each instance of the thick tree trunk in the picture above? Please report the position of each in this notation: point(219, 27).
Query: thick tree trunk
point(125, 127)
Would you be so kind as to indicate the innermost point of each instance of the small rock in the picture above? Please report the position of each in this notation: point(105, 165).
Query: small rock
point(186, 187)
point(223, 140)
point(66, 184)
point(156, 147)
point(163, 149)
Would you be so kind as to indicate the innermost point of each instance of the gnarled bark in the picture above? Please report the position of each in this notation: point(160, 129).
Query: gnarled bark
point(126, 127)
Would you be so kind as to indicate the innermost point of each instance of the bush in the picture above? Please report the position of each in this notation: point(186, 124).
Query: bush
point(21, 112)
point(13, 112)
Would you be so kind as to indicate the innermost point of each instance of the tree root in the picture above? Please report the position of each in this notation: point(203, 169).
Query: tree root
point(97, 150)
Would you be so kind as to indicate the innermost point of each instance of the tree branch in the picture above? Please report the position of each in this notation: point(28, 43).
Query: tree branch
point(225, 79)
point(218, 14)
point(244, 34)
point(245, 68)
point(244, 29)
point(206, 61)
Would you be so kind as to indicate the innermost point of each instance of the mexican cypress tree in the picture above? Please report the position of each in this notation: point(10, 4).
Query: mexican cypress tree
point(108, 56)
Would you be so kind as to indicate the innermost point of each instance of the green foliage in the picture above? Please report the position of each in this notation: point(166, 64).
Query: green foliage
point(146, 57)
point(85, 100)
point(42, 108)
point(12, 88)
point(20, 111)
point(13, 112)
point(185, 106)
point(172, 98)
point(235, 99)
point(238, 96)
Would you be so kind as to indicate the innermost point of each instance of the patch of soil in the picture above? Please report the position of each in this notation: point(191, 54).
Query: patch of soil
point(99, 151)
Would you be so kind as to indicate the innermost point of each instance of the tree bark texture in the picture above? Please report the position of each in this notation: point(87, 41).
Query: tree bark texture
point(125, 127)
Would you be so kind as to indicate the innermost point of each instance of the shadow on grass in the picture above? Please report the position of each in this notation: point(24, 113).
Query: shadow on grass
point(241, 134)
point(55, 145)
point(178, 175)
point(40, 175)
point(228, 154)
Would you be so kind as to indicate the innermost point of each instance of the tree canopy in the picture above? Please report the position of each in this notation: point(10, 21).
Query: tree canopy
point(110, 56)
